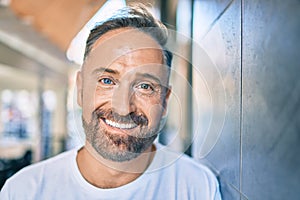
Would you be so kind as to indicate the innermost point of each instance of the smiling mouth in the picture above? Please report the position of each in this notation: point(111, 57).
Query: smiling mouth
point(120, 125)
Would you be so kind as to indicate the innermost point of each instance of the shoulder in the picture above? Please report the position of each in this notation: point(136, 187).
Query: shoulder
point(188, 173)
point(39, 167)
point(179, 160)
point(33, 176)
point(188, 167)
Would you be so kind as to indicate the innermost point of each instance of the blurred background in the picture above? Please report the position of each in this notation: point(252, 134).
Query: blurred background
point(236, 99)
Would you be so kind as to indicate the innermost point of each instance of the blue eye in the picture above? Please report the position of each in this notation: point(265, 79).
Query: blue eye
point(145, 86)
point(106, 81)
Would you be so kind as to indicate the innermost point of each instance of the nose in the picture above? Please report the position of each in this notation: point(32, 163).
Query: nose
point(123, 101)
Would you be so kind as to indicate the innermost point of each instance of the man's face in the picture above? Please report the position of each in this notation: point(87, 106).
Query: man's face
point(123, 92)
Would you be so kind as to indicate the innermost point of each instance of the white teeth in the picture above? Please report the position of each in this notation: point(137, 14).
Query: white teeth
point(121, 126)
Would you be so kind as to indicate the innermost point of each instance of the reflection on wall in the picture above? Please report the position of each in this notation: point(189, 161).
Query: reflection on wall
point(254, 45)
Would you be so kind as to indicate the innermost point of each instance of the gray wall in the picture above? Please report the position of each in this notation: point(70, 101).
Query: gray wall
point(257, 154)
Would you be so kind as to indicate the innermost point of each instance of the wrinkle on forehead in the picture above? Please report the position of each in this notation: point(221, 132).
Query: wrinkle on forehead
point(121, 42)
point(139, 57)
point(136, 38)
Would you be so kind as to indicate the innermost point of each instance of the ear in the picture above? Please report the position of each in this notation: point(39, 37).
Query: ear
point(166, 100)
point(79, 85)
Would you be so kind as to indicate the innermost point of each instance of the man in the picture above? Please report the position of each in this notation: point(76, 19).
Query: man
point(123, 89)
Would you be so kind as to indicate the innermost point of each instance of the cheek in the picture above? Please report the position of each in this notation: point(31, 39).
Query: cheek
point(153, 111)
point(88, 97)
point(93, 95)
point(156, 112)
point(102, 96)
point(87, 108)
point(91, 100)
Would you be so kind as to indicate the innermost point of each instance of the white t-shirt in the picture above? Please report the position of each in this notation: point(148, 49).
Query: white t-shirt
point(169, 176)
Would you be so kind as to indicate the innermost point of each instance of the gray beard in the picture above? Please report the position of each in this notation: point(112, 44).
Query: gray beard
point(118, 148)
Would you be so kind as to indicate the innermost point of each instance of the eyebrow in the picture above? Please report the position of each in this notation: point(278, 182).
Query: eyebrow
point(111, 71)
point(147, 75)
point(103, 69)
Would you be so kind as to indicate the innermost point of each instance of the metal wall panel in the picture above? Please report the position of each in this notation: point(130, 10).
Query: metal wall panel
point(257, 154)
point(271, 105)
point(220, 38)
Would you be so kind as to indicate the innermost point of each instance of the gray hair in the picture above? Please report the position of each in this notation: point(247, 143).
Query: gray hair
point(137, 17)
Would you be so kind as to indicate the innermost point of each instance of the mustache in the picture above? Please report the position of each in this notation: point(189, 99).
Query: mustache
point(133, 117)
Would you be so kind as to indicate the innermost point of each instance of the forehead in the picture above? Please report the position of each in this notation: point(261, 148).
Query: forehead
point(125, 45)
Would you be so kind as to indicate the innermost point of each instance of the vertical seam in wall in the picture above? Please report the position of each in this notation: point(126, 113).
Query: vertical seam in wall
point(241, 100)
point(190, 123)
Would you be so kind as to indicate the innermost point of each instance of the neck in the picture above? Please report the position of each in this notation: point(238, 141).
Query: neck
point(104, 173)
